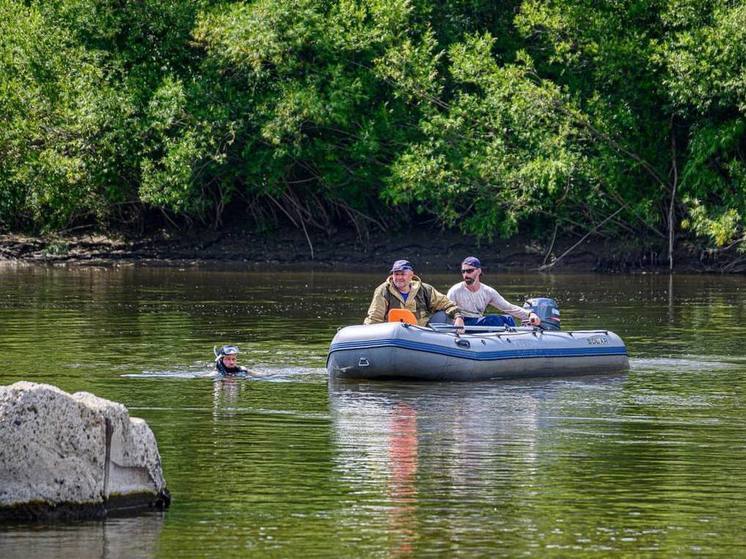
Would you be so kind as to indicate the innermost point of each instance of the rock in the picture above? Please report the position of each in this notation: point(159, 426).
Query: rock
point(73, 456)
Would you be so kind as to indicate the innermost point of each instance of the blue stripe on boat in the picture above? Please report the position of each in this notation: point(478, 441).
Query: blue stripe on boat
point(483, 355)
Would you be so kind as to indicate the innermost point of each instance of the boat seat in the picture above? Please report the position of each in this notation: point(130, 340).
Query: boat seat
point(402, 315)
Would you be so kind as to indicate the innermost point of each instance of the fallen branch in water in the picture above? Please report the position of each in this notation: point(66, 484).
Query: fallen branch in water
point(545, 267)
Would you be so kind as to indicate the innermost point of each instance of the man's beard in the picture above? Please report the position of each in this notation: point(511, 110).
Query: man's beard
point(468, 281)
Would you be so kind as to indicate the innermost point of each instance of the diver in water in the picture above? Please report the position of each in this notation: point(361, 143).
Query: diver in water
point(226, 361)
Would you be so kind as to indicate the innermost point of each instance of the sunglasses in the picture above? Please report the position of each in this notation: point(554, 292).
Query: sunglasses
point(469, 271)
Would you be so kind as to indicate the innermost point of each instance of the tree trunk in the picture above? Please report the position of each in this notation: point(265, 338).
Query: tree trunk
point(672, 204)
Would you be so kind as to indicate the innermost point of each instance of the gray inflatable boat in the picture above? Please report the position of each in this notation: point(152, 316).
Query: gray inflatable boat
point(405, 351)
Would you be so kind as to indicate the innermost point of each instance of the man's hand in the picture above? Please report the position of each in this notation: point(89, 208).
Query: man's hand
point(459, 323)
point(533, 319)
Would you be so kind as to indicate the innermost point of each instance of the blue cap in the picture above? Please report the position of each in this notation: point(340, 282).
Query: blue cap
point(472, 261)
point(401, 266)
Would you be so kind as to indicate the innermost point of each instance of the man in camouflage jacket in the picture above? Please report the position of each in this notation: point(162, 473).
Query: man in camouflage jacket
point(402, 289)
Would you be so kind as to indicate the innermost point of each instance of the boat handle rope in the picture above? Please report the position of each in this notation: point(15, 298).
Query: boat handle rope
point(478, 331)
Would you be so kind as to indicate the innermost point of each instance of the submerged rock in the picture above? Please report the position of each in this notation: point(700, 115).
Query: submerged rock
point(74, 456)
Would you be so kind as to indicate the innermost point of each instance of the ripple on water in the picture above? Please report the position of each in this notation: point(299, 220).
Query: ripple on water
point(269, 374)
point(647, 463)
point(692, 363)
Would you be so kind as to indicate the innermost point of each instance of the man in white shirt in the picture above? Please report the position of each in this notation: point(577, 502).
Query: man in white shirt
point(473, 297)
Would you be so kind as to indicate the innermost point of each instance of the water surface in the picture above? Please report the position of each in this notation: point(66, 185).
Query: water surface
point(644, 464)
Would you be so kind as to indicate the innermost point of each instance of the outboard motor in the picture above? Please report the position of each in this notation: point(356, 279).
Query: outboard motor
point(547, 310)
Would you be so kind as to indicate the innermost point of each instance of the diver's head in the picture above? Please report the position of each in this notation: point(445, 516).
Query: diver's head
point(227, 353)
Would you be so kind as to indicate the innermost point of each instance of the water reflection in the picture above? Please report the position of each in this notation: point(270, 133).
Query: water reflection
point(427, 448)
point(112, 538)
point(226, 392)
point(402, 492)
point(647, 463)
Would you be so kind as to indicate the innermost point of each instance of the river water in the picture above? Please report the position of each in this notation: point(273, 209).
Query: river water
point(649, 463)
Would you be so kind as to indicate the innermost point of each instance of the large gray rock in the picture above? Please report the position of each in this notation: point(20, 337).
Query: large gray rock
point(73, 456)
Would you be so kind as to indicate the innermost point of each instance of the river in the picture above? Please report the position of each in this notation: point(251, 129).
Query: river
point(643, 464)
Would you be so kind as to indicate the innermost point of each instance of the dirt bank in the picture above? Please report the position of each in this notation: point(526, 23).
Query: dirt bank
point(433, 251)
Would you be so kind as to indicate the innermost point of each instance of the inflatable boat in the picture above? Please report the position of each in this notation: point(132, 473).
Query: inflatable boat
point(401, 349)
point(406, 351)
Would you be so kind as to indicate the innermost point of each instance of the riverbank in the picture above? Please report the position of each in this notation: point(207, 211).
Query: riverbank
point(428, 250)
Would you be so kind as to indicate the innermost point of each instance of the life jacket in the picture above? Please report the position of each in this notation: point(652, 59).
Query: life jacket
point(421, 300)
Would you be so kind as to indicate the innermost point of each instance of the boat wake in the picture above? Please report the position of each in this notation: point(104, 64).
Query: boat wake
point(171, 374)
point(270, 374)
point(685, 363)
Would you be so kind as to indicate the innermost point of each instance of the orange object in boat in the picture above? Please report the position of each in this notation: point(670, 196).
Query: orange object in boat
point(402, 315)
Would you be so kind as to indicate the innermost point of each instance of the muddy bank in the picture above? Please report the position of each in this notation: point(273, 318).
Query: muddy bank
point(431, 251)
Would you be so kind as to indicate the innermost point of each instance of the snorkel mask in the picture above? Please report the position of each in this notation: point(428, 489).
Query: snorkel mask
point(225, 350)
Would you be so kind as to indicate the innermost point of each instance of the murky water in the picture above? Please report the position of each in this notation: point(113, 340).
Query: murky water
point(645, 464)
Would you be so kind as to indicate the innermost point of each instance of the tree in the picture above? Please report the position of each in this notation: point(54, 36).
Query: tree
point(704, 58)
point(61, 123)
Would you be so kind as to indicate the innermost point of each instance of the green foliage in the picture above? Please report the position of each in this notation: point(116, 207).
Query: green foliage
point(704, 57)
point(61, 120)
point(705, 60)
point(602, 56)
point(310, 112)
point(721, 230)
point(497, 154)
point(715, 168)
point(171, 149)
point(486, 115)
